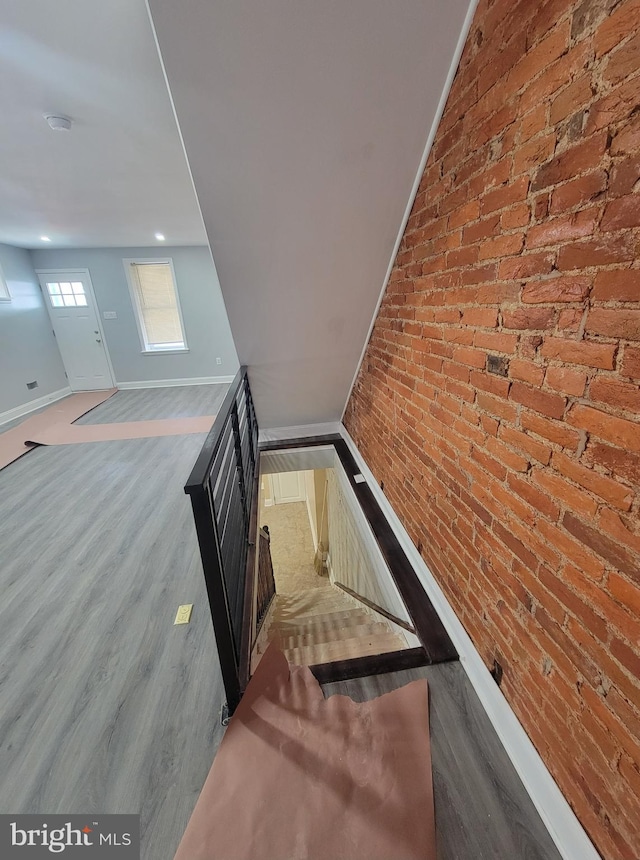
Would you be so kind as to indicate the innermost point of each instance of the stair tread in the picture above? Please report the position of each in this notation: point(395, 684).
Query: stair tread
point(344, 649)
point(290, 639)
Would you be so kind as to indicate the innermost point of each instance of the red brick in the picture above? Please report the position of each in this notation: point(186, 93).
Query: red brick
point(622, 464)
point(617, 285)
point(526, 371)
point(580, 352)
point(596, 625)
point(554, 431)
point(465, 214)
point(481, 230)
point(528, 318)
point(515, 192)
point(550, 405)
point(502, 246)
point(559, 289)
point(573, 549)
point(631, 362)
point(582, 157)
point(624, 62)
point(614, 107)
point(533, 152)
point(618, 322)
point(505, 455)
point(618, 431)
point(570, 319)
point(617, 26)
point(497, 407)
point(606, 488)
point(627, 138)
point(621, 213)
point(601, 251)
point(616, 393)
point(540, 56)
point(624, 176)
point(518, 216)
point(495, 341)
point(486, 317)
point(560, 489)
point(526, 266)
point(610, 550)
point(613, 524)
point(539, 500)
point(472, 357)
point(567, 380)
point(524, 443)
point(578, 94)
point(625, 592)
point(533, 122)
point(578, 191)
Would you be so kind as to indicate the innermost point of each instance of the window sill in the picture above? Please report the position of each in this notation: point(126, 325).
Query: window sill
point(164, 351)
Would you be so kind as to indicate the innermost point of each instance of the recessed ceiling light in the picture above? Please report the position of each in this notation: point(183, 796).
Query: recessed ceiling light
point(58, 122)
point(45, 239)
point(160, 237)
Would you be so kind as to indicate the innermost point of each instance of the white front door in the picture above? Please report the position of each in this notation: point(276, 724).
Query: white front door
point(74, 317)
point(288, 487)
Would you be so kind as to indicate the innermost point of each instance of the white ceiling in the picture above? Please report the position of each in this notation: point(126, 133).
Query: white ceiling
point(304, 122)
point(120, 174)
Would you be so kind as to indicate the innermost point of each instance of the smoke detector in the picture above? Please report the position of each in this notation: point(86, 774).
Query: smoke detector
point(58, 122)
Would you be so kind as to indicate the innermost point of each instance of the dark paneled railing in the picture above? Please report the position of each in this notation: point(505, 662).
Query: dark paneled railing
point(223, 487)
point(266, 582)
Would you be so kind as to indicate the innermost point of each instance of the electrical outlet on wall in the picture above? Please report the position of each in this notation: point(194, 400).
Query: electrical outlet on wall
point(218, 360)
point(110, 315)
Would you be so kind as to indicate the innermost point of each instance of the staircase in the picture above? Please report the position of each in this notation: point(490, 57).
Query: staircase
point(322, 625)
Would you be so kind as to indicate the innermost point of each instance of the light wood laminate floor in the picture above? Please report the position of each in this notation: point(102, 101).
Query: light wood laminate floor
point(105, 706)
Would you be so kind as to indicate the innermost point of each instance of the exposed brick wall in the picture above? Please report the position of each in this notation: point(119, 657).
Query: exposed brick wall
point(499, 400)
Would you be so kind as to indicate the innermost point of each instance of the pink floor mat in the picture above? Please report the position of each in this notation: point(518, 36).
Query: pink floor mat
point(298, 777)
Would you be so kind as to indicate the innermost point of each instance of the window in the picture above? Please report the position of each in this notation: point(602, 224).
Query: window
point(5, 295)
point(155, 302)
point(66, 294)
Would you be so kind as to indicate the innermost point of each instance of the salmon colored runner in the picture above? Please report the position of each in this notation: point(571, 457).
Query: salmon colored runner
point(298, 777)
point(13, 443)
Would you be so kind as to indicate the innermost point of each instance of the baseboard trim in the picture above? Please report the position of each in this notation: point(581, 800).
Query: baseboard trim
point(26, 408)
point(301, 431)
point(171, 383)
point(558, 817)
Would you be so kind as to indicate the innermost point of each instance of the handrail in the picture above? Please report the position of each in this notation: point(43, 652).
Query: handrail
point(223, 491)
point(214, 438)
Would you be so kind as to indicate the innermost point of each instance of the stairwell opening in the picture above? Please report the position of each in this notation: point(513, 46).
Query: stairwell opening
point(336, 598)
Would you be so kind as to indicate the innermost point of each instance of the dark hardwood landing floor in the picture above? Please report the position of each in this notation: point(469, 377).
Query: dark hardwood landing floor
point(482, 809)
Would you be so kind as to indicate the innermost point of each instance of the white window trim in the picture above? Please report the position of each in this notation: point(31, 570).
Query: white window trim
point(5, 295)
point(137, 312)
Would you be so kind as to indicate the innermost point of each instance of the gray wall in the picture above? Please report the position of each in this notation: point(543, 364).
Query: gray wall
point(205, 318)
point(28, 349)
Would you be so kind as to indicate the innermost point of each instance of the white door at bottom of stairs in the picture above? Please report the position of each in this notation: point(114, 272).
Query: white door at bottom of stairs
point(74, 317)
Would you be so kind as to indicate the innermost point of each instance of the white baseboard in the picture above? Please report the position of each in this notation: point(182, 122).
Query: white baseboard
point(300, 431)
point(26, 408)
point(563, 826)
point(170, 383)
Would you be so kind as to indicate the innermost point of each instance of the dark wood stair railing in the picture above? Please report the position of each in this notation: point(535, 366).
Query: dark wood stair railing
point(266, 589)
point(223, 487)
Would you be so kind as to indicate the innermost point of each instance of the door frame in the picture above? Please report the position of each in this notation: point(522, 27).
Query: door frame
point(80, 270)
